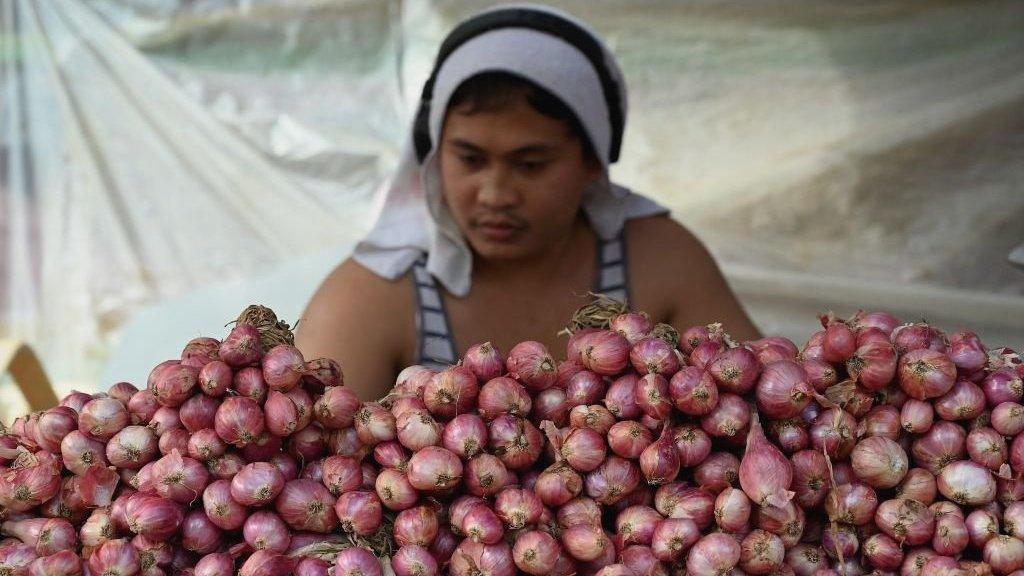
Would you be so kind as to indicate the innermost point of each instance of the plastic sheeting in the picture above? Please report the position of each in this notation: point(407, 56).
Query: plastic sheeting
point(163, 155)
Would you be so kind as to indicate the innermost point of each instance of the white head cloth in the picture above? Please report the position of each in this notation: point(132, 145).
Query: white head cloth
point(412, 216)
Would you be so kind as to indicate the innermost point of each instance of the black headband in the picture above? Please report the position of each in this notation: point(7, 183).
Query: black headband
point(536, 20)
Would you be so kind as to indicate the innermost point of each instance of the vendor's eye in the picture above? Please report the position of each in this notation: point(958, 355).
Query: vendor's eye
point(533, 165)
point(471, 160)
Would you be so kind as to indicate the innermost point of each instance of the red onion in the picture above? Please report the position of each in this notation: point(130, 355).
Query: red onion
point(416, 526)
point(79, 452)
point(821, 375)
point(336, 408)
point(717, 472)
point(917, 416)
point(257, 484)
point(502, 395)
point(643, 561)
point(115, 558)
point(883, 552)
point(413, 560)
point(594, 417)
point(951, 536)
point(239, 420)
point(342, 474)
point(967, 351)
point(761, 553)
point(309, 443)
point(142, 406)
point(360, 512)
point(679, 500)
point(1004, 554)
point(402, 404)
point(1008, 419)
point(584, 449)
point(200, 535)
point(765, 473)
point(267, 563)
point(782, 390)
point(943, 443)
point(906, 520)
point(963, 402)
point(967, 483)
point(53, 425)
point(517, 507)
point(64, 563)
point(735, 370)
point(659, 462)
point(485, 475)
point(879, 461)
point(515, 440)
point(417, 429)
point(154, 517)
point(693, 445)
point(532, 365)
point(652, 396)
point(834, 431)
point(76, 400)
point(451, 392)
point(713, 555)
point(987, 447)
point(611, 481)
point(851, 504)
point(585, 542)
point(434, 468)
point(465, 435)
point(175, 385)
point(394, 489)
point(163, 420)
point(215, 565)
point(629, 439)
point(982, 526)
point(536, 552)
point(633, 326)
point(840, 541)
point(580, 510)
point(636, 525)
point(620, 399)
point(413, 379)
point(672, 537)
point(180, 478)
point(172, 440)
point(249, 382)
point(477, 559)
point(1003, 385)
point(604, 351)
point(551, 404)
point(873, 365)
point(729, 418)
point(926, 374)
point(307, 505)
point(30, 481)
point(206, 445)
point(481, 524)
point(101, 418)
point(375, 424)
point(132, 447)
point(693, 391)
point(806, 559)
point(215, 378)
point(810, 478)
point(881, 421)
point(485, 361)
point(654, 356)
point(584, 387)
point(705, 352)
point(732, 510)
point(242, 347)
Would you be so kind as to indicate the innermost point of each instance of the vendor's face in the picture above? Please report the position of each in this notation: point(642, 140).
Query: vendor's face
point(513, 178)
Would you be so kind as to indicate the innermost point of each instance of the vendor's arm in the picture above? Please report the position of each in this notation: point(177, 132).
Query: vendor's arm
point(360, 320)
point(676, 269)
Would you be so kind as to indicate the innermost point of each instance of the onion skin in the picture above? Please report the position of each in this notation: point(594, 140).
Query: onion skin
point(712, 555)
point(906, 520)
point(967, 483)
point(879, 462)
point(925, 374)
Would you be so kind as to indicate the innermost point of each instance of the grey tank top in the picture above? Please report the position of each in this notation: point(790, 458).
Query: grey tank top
point(435, 341)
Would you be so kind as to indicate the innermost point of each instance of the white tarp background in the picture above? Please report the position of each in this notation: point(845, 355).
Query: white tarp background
point(167, 161)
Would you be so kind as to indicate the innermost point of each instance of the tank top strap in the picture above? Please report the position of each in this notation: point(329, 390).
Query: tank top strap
point(435, 341)
point(612, 268)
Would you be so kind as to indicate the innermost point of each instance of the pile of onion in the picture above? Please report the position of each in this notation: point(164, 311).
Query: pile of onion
point(876, 447)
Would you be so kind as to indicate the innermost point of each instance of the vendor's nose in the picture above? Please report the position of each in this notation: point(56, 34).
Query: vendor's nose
point(497, 190)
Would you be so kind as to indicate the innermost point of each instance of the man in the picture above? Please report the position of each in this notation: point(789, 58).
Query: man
point(501, 217)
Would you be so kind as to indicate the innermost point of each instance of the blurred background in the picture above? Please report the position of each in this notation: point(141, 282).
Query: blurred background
point(164, 163)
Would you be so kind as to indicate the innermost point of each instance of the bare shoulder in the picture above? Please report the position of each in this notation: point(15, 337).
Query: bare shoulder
point(674, 272)
point(361, 320)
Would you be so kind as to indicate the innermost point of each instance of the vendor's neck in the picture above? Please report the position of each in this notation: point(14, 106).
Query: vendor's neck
point(540, 268)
